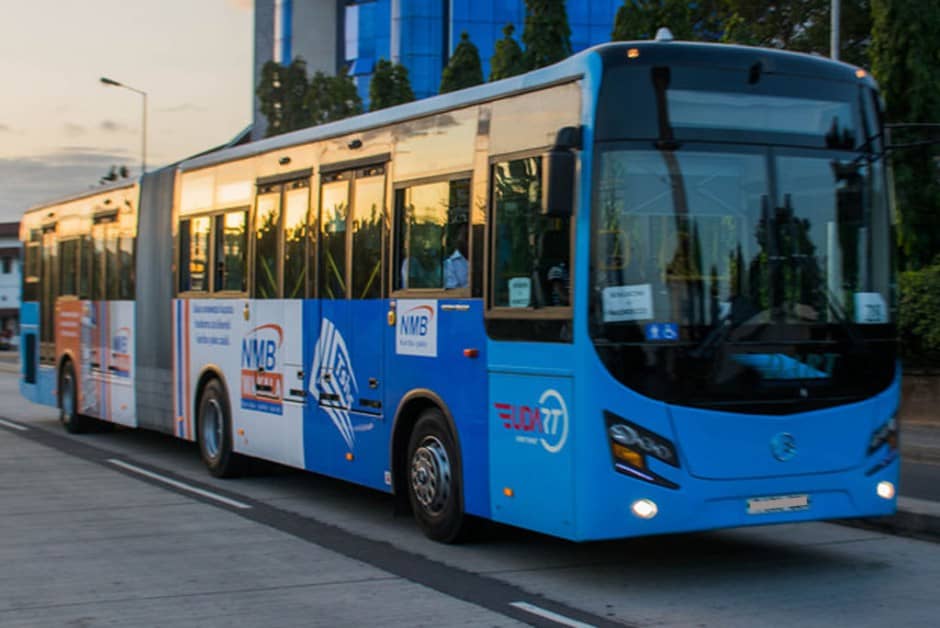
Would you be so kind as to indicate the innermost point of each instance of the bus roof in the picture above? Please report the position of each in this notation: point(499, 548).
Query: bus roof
point(104, 189)
point(569, 69)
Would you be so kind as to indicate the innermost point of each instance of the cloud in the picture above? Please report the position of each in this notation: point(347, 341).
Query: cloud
point(29, 181)
point(186, 107)
point(74, 130)
point(110, 126)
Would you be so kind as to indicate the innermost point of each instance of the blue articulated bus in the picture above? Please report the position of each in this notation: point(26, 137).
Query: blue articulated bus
point(649, 289)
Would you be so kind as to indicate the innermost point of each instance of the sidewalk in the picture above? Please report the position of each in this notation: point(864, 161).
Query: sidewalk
point(9, 361)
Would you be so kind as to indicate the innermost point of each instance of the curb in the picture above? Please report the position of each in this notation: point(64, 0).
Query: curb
point(916, 518)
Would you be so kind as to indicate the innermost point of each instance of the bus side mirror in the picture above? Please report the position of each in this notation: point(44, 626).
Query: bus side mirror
point(560, 165)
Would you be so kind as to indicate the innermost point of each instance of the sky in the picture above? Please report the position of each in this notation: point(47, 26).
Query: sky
point(61, 130)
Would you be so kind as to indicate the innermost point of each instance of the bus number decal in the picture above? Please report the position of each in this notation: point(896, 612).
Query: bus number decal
point(545, 423)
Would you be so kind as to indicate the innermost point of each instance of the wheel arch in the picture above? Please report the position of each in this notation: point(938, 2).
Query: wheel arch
point(208, 373)
point(409, 409)
point(65, 358)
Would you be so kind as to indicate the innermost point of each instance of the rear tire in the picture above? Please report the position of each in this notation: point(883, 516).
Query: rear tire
point(214, 432)
point(433, 477)
point(71, 419)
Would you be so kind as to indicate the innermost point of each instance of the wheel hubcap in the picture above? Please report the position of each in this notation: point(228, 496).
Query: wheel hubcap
point(212, 428)
point(430, 475)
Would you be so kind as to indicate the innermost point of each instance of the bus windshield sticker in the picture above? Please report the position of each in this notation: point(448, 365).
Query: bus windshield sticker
point(661, 332)
point(416, 327)
point(520, 291)
point(628, 303)
point(870, 308)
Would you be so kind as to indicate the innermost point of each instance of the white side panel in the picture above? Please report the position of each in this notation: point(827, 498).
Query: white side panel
point(247, 341)
point(120, 361)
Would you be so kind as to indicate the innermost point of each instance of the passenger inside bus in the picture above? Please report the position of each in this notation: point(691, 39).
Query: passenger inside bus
point(455, 266)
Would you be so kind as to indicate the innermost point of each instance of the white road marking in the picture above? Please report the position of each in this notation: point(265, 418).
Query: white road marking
point(555, 617)
point(13, 426)
point(179, 485)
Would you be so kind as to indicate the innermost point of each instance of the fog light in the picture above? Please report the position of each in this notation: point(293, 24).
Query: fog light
point(644, 508)
point(885, 490)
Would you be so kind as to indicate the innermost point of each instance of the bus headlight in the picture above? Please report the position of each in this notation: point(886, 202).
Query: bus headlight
point(644, 508)
point(887, 433)
point(885, 490)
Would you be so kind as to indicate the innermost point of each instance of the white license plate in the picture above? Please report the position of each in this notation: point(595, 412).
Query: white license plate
point(778, 503)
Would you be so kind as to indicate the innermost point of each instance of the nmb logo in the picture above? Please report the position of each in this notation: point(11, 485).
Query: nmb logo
point(416, 328)
point(262, 383)
point(260, 347)
point(416, 321)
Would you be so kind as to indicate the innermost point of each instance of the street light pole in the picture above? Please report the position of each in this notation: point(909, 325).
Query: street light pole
point(834, 30)
point(143, 140)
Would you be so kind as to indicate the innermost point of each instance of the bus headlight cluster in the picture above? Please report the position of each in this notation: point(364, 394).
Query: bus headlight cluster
point(887, 433)
point(631, 446)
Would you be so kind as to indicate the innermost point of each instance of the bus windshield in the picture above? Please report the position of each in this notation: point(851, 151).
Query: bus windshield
point(709, 246)
point(689, 236)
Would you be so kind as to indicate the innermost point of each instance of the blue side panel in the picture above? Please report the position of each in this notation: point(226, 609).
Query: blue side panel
point(533, 462)
point(346, 433)
point(43, 390)
point(459, 380)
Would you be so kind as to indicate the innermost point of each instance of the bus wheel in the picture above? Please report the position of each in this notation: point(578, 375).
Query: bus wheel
point(72, 421)
point(214, 432)
point(433, 479)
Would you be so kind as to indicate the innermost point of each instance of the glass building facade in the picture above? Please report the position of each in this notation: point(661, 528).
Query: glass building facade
point(422, 34)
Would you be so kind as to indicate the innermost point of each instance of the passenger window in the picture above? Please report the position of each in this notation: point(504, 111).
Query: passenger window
point(334, 207)
point(194, 254)
point(296, 202)
point(267, 231)
point(368, 220)
point(432, 235)
point(127, 270)
point(68, 269)
point(231, 243)
point(531, 252)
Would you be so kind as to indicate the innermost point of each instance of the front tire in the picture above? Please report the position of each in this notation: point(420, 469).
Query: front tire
point(434, 487)
point(214, 432)
point(69, 416)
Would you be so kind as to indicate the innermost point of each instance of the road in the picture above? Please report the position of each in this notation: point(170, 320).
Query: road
point(92, 535)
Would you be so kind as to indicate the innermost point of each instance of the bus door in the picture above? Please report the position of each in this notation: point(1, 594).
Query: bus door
point(96, 340)
point(347, 357)
point(272, 373)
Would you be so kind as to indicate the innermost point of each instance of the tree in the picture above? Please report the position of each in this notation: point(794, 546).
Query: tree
point(640, 19)
point(906, 63)
point(114, 174)
point(546, 35)
point(390, 85)
point(282, 93)
point(507, 59)
point(331, 98)
point(800, 25)
point(464, 68)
